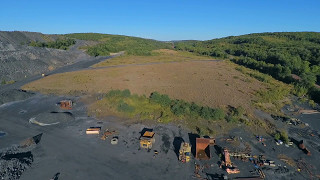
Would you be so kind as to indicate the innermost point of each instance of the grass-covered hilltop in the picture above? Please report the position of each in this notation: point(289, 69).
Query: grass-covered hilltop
point(292, 57)
point(115, 43)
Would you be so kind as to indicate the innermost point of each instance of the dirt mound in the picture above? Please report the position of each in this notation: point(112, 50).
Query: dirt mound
point(14, 95)
point(52, 118)
point(18, 60)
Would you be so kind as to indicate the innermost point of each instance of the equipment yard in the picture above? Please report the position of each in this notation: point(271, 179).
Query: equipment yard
point(65, 148)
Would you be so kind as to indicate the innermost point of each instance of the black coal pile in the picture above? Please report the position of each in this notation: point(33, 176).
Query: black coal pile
point(17, 159)
point(14, 95)
point(13, 163)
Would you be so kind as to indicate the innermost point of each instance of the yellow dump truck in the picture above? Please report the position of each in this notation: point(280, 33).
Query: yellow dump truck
point(184, 152)
point(147, 139)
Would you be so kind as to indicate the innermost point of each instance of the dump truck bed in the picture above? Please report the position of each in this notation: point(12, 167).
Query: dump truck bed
point(203, 148)
point(148, 134)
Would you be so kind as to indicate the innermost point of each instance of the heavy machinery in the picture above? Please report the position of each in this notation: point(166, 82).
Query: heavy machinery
point(230, 168)
point(184, 152)
point(147, 139)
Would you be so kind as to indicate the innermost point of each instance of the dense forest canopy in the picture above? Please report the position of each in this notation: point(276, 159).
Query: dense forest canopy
point(281, 55)
point(115, 43)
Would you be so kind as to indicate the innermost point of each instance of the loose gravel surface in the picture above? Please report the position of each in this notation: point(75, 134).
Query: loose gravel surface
point(18, 61)
point(14, 95)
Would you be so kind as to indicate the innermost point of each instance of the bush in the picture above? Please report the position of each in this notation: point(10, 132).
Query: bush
point(161, 99)
point(179, 107)
point(283, 136)
point(195, 108)
point(124, 107)
point(232, 119)
point(300, 90)
point(217, 114)
point(205, 113)
point(126, 93)
point(277, 136)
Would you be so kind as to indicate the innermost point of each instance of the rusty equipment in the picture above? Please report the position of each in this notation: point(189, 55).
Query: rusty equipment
point(107, 133)
point(203, 148)
point(184, 152)
point(147, 139)
point(66, 104)
point(230, 168)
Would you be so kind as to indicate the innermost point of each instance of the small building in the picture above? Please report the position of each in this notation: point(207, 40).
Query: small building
point(66, 104)
point(93, 130)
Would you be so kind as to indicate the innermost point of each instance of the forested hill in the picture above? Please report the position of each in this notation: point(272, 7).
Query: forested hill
point(114, 43)
point(281, 55)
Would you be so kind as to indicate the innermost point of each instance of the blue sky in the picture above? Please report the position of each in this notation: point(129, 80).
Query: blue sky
point(161, 20)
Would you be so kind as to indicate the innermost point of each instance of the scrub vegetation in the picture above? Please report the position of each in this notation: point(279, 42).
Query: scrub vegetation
point(160, 55)
point(62, 43)
point(156, 106)
point(280, 55)
point(116, 43)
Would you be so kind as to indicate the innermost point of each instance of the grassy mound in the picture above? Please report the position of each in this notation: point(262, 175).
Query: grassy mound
point(115, 43)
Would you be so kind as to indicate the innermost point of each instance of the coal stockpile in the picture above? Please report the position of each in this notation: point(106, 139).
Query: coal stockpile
point(17, 159)
point(13, 164)
point(14, 95)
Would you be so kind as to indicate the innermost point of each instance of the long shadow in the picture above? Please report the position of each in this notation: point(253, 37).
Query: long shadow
point(56, 176)
point(176, 144)
point(192, 140)
point(296, 142)
point(218, 152)
point(215, 176)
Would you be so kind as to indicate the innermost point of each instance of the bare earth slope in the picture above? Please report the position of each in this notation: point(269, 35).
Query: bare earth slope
point(212, 83)
point(17, 60)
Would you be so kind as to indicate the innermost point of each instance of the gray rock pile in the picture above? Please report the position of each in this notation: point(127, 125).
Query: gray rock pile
point(18, 60)
point(18, 158)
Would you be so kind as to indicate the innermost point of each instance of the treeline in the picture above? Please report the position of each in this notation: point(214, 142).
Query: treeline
point(115, 43)
point(281, 55)
point(64, 43)
point(160, 106)
point(182, 108)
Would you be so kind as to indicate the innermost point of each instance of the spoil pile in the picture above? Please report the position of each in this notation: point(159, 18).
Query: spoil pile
point(16, 159)
point(14, 95)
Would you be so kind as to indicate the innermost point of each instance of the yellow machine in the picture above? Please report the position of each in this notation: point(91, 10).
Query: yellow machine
point(184, 152)
point(147, 139)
